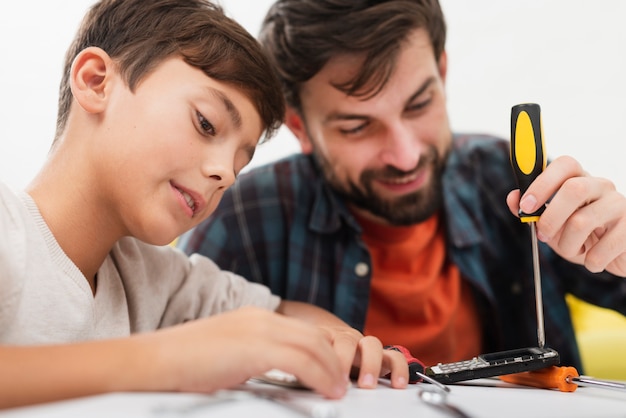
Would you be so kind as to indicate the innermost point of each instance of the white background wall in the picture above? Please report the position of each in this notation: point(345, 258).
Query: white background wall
point(567, 55)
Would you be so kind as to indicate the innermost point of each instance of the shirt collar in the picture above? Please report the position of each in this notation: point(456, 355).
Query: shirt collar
point(461, 198)
point(329, 209)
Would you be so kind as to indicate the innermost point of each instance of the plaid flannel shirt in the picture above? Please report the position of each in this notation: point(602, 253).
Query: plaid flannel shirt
point(281, 225)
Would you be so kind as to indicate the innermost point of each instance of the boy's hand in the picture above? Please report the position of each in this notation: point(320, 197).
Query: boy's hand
point(367, 356)
point(585, 220)
point(354, 350)
point(225, 350)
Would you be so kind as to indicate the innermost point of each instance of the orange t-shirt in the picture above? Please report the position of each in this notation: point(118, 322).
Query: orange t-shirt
point(417, 297)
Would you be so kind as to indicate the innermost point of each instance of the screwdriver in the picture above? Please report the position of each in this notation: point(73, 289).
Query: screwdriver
point(416, 368)
point(563, 378)
point(528, 158)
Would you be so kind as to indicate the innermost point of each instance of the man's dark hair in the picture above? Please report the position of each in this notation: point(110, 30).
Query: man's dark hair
point(300, 37)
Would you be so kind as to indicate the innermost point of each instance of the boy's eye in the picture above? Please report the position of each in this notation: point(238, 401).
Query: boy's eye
point(206, 126)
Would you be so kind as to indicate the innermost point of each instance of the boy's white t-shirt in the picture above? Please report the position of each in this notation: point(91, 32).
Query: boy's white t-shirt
point(44, 298)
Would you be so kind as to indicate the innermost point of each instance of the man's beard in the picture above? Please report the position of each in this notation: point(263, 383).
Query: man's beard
point(405, 210)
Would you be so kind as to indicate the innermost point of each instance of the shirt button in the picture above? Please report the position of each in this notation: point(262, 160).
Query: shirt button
point(361, 269)
point(516, 288)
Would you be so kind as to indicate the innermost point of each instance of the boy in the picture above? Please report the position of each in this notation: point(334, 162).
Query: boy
point(156, 118)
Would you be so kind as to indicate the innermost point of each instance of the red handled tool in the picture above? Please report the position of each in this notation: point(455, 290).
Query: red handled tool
point(416, 367)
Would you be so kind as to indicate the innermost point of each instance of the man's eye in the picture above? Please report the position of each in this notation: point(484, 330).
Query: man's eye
point(206, 126)
point(420, 105)
point(353, 131)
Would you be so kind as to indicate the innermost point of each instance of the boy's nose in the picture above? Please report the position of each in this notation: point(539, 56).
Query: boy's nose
point(219, 171)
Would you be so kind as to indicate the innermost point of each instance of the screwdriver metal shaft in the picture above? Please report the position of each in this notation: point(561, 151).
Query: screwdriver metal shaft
point(541, 333)
point(602, 384)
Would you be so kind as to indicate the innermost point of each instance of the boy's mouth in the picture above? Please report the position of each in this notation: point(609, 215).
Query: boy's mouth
point(188, 199)
point(192, 201)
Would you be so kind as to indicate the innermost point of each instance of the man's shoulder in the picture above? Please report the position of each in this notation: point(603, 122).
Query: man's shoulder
point(476, 148)
point(479, 161)
point(478, 142)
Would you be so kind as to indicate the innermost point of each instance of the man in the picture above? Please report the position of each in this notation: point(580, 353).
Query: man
point(393, 222)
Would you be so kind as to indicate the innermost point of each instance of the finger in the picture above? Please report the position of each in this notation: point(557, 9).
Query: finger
point(606, 244)
point(575, 236)
point(371, 355)
point(609, 253)
point(346, 348)
point(512, 201)
point(303, 350)
point(582, 205)
point(311, 372)
point(549, 182)
point(575, 194)
point(396, 366)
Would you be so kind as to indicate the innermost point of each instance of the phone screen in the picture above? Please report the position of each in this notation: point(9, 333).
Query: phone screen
point(516, 355)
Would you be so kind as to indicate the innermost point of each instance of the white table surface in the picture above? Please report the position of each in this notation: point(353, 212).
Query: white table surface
point(481, 398)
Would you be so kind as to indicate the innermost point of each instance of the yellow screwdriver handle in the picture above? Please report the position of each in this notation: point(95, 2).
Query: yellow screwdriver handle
point(528, 155)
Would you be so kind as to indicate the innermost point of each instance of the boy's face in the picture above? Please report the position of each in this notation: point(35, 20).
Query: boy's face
point(385, 153)
point(170, 149)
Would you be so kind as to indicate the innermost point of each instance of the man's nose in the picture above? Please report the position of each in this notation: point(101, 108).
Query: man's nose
point(402, 148)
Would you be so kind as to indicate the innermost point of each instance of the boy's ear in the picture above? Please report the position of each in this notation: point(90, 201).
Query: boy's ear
point(296, 125)
point(88, 78)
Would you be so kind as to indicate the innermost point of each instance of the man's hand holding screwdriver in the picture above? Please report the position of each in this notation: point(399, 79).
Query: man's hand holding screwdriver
point(585, 220)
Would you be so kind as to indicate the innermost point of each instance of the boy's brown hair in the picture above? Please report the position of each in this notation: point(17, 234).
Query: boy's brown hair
point(300, 37)
point(139, 34)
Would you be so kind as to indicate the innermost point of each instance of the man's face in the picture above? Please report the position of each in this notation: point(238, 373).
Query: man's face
point(384, 154)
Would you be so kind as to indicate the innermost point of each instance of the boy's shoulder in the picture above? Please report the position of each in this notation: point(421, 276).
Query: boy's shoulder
point(16, 208)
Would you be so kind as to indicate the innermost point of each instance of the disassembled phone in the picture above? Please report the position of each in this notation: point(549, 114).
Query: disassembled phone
point(494, 364)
